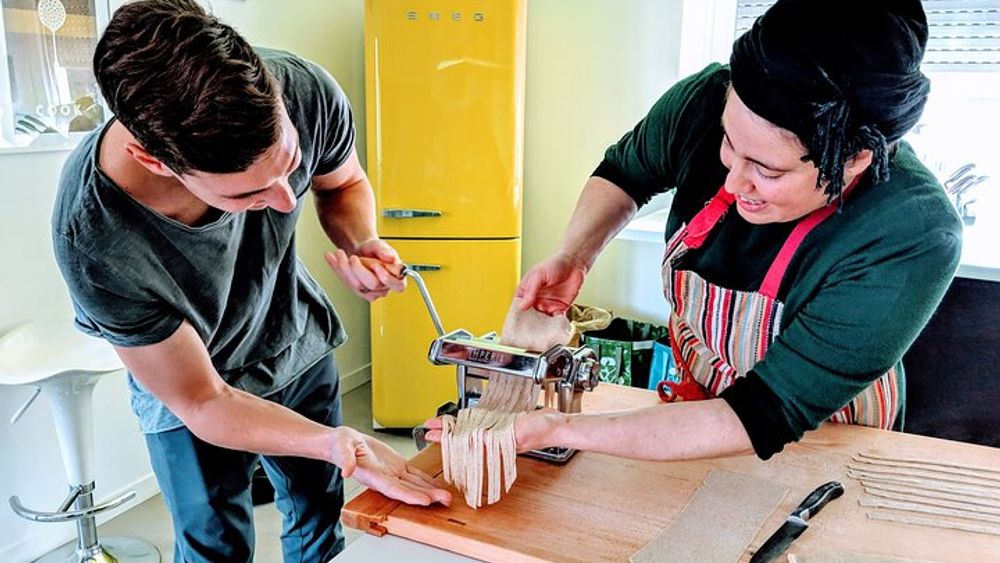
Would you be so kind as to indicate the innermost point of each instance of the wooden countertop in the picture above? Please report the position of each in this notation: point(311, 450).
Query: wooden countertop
point(601, 508)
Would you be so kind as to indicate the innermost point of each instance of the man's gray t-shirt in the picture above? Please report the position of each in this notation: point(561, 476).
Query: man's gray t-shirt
point(135, 275)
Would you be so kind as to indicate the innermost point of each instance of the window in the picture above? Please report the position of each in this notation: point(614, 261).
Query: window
point(964, 34)
point(956, 135)
point(48, 94)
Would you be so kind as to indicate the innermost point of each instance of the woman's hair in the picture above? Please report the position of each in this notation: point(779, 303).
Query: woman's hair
point(191, 90)
point(842, 75)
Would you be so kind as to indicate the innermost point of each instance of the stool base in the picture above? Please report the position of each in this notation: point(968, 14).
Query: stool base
point(114, 550)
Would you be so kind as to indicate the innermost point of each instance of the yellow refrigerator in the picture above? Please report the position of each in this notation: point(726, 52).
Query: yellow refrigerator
point(444, 116)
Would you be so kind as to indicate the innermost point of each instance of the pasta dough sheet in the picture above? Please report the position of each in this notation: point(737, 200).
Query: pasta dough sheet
point(534, 331)
point(718, 524)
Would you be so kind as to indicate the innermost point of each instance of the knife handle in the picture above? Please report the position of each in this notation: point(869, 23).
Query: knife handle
point(818, 499)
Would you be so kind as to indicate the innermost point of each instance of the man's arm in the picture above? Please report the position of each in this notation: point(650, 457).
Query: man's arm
point(345, 203)
point(179, 372)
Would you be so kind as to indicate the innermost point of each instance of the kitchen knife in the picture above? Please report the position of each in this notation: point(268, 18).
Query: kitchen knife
point(797, 522)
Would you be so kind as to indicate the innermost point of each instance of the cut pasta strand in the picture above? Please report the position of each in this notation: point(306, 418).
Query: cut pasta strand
point(479, 447)
point(921, 508)
point(965, 469)
point(928, 493)
point(935, 523)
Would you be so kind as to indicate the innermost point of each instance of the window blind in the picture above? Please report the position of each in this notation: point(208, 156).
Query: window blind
point(964, 34)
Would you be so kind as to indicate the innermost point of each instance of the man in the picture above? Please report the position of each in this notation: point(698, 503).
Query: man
point(174, 229)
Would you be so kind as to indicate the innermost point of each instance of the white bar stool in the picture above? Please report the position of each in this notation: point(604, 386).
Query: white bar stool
point(65, 364)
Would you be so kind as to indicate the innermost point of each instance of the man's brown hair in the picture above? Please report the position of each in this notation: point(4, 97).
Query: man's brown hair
point(189, 87)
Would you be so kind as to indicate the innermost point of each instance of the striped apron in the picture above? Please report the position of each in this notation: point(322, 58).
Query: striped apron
point(719, 334)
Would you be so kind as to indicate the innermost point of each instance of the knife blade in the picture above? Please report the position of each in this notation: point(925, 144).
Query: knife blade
point(797, 522)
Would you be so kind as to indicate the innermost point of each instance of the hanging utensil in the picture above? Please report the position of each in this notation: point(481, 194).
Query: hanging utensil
point(967, 213)
point(52, 14)
point(971, 183)
point(964, 207)
point(958, 174)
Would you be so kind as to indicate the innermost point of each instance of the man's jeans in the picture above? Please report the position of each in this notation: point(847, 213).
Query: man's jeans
point(207, 488)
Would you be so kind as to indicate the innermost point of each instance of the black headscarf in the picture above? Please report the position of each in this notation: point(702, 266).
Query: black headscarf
point(842, 75)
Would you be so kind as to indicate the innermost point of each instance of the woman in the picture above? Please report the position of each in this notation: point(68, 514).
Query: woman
point(806, 245)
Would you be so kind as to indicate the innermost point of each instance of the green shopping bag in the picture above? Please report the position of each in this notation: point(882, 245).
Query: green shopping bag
point(625, 349)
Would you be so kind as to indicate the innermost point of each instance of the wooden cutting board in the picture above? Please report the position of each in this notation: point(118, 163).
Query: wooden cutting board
point(600, 508)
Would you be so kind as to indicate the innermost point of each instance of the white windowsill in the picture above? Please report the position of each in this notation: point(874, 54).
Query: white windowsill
point(648, 228)
point(980, 257)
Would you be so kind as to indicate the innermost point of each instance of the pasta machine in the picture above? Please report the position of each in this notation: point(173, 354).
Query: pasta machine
point(563, 372)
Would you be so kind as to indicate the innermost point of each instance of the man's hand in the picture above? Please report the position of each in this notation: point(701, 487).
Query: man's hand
point(552, 285)
point(532, 430)
point(378, 467)
point(371, 272)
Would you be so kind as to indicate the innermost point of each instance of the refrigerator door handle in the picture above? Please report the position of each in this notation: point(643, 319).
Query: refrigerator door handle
point(409, 213)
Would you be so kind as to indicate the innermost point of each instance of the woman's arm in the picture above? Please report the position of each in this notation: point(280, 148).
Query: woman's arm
point(668, 432)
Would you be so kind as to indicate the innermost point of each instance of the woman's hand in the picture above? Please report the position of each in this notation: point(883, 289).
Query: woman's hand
point(532, 430)
point(378, 467)
point(371, 272)
point(552, 285)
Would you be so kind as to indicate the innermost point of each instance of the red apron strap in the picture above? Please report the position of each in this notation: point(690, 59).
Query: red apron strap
point(702, 223)
point(772, 281)
point(776, 273)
